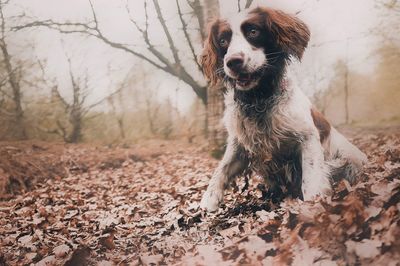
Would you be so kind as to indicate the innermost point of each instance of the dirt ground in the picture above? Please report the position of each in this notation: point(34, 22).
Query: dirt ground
point(98, 205)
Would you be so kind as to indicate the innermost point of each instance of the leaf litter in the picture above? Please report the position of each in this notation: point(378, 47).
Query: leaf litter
point(139, 206)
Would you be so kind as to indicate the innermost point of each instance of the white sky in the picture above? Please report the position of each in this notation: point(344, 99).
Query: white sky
point(331, 23)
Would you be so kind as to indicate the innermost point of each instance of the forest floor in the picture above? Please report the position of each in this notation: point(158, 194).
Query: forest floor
point(85, 204)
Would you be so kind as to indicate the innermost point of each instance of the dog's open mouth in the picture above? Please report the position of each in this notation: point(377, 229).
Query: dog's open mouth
point(245, 79)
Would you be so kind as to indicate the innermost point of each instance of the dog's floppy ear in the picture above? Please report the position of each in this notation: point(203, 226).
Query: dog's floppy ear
point(209, 57)
point(291, 34)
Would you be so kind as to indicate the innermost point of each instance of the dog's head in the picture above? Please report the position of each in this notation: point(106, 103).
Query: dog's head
point(242, 49)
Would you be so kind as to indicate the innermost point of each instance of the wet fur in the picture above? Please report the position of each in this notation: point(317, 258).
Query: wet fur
point(273, 128)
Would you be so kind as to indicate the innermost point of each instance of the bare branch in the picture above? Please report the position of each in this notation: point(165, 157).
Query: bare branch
point(82, 28)
point(248, 3)
point(3, 82)
point(199, 13)
point(92, 29)
point(3, 22)
point(63, 133)
point(145, 35)
point(187, 36)
point(94, 15)
point(103, 99)
point(6, 79)
point(14, 78)
point(41, 66)
point(163, 23)
point(57, 94)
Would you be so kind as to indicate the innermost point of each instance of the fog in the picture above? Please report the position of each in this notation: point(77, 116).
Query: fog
point(334, 24)
point(132, 68)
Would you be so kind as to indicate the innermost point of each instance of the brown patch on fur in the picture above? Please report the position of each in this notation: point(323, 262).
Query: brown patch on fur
point(292, 35)
point(322, 124)
point(209, 58)
point(257, 20)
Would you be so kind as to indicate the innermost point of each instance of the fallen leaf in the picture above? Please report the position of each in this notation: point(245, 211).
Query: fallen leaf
point(61, 251)
point(365, 249)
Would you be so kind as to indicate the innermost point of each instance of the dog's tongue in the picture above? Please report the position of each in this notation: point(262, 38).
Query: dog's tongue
point(244, 77)
point(244, 80)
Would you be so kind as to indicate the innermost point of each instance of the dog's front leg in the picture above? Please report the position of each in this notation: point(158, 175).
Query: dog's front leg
point(315, 172)
point(233, 163)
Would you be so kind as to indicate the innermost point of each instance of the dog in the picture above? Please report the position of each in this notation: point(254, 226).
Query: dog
point(273, 129)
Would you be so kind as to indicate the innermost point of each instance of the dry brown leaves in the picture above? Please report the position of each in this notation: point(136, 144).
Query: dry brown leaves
point(140, 206)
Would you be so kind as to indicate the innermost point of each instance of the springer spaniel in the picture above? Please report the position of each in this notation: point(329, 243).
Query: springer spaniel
point(273, 129)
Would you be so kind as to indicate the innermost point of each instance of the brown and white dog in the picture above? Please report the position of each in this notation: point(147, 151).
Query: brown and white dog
point(272, 127)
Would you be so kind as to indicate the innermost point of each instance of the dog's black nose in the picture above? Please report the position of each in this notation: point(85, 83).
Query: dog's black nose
point(235, 63)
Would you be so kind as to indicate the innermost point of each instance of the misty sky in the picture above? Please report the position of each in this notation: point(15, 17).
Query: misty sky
point(332, 22)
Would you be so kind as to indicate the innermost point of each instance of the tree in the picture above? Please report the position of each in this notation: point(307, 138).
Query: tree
point(119, 114)
point(215, 106)
point(386, 86)
point(388, 27)
point(13, 74)
point(152, 111)
point(154, 55)
point(169, 61)
point(334, 99)
point(75, 110)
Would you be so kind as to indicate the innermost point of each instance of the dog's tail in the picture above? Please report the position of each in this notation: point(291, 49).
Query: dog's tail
point(341, 168)
point(346, 160)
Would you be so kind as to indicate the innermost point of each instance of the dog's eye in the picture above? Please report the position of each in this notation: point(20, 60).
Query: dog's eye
point(253, 33)
point(223, 43)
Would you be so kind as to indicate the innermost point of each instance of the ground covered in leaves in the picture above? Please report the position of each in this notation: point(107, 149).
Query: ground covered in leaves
point(80, 204)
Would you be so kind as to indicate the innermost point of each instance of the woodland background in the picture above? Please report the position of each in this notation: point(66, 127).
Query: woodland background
point(74, 72)
point(109, 135)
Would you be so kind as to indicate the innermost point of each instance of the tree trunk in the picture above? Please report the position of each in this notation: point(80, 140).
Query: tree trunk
point(346, 85)
point(215, 100)
point(19, 127)
point(215, 109)
point(76, 122)
point(13, 80)
point(120, 121)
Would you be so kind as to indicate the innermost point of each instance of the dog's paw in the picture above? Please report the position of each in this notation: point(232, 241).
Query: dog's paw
point(316, 192)
point(211, 200)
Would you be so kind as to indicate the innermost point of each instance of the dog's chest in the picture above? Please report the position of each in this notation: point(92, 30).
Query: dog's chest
point(267, 135)
point(272, 147)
